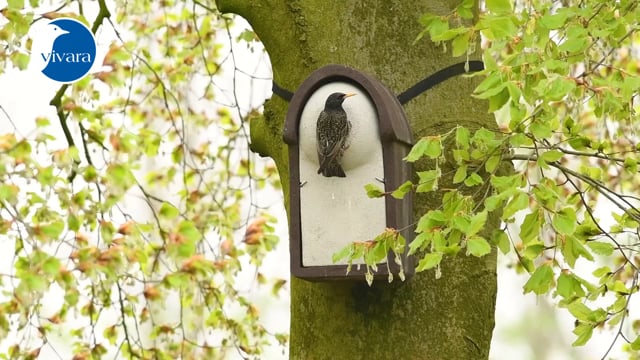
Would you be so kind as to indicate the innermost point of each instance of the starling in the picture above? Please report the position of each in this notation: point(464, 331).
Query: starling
point(332, 131)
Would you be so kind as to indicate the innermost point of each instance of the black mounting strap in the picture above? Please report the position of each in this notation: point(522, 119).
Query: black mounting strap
point(417, 89)
point(440, 76)
point(282, 92)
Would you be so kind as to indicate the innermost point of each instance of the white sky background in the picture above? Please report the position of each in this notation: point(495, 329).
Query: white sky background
point(527, 327)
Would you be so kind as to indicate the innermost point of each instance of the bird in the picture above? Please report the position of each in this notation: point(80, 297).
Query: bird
point(332, 131)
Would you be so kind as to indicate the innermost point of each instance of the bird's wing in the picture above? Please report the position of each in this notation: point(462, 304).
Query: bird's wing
point(331, 133)
point(321, 136)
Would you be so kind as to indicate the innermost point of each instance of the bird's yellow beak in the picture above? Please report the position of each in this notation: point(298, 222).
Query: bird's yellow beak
point(349, 95)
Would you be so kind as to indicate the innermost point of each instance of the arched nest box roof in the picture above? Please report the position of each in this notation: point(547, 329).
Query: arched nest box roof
point(393, 123)
point(396, 140)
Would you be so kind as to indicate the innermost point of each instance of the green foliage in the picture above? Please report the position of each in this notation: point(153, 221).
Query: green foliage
point(563, 80)
point(126, 246)
point(563, 83)
point(374, 253)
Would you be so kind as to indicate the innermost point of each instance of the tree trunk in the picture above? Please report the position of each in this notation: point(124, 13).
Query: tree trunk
point(423, 318)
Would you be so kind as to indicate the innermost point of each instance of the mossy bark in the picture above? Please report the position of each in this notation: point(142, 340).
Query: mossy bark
point(424, 318)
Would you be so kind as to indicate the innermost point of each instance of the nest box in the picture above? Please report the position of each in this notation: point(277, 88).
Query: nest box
point(329, 213)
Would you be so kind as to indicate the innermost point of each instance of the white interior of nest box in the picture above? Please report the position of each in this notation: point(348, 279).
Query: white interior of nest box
point(336, 211)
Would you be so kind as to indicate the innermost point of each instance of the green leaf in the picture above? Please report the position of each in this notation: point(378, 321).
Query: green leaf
point(432, 219)
point(448, 34)
point(587, 230)
point(42, 122)
point(460, 44)
point(492, 163)
point(379, 253)
point(416, 151)
point(575, 43)
point(619, 305)
point(580, 311)
point(120, 175)
point(493, 202)
point(519, 202)
point(73, 222)
point(168, 211)
point(399, 244)
point(530, 228)
point(427, 146)
point(465, 9)
point(631, 165)
point(533, 250)
point(540, 281)
point(557, 89)
point(428, 180)
point(461, 156)
point(402, 190)
point(107, 230)
point(568, 286)
point(551, 156)
point(493, 80)
point(500, 27)
point(554, 21)
point(110, 333)
point(186, 249)
point(189, 231)
point(497, 101)
point(434, 147)
point(342, 253)
point(500, 239)
point(373, 191)
point(460, 175)
point(421, 241)
point(34, 282)
point(177, 155)
point(478, 246)
point(52, 230)
point(584, 332)
point(9, 193)
point(20, 60)
point(527, 265)
point(572, 249)
point(547, 193)
point(601, 248)
point(473, 180)
point(580, 143)
point(429, 261)
point(564, 221)
point(51, 266)
point(619, 287)
point(503, 183)
point(476, 223)
point(437, 27)
point(540, 130)
point(16, 4)
point(498, 6)
point(491, 92)
point(150, 142)
point(462, 137)
point(602, 271)
point(176, 280)
point(460, 222)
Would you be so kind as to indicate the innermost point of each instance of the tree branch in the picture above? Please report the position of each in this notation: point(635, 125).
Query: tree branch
point(600, 188)
point(56, 101)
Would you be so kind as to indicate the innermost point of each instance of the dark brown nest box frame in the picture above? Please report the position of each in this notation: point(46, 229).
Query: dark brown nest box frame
point(396, 138)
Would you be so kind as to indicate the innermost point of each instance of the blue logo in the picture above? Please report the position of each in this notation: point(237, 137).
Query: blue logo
point(72, 50)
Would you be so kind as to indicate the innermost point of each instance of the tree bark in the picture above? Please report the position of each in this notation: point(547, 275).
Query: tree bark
point(423, 318)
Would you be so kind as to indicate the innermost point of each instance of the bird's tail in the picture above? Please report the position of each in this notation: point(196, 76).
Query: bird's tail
point(331, 169)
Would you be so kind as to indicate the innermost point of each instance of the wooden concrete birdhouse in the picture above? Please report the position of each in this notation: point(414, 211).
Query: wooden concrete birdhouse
point(329, 207)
